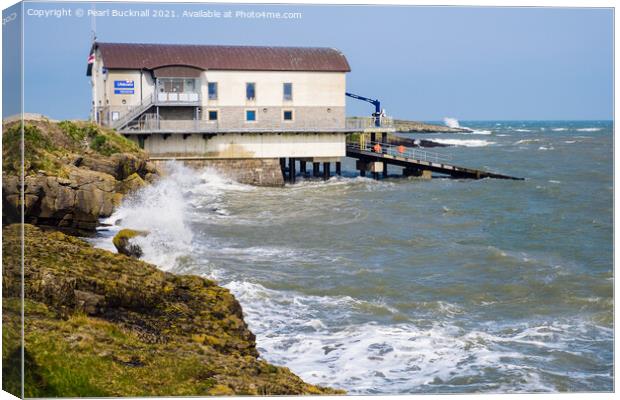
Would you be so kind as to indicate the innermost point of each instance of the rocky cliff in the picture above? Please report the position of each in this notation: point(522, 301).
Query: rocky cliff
point(100, 324)
point(103, 324)
point(75, 173)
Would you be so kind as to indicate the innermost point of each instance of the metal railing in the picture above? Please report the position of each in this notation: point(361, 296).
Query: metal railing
point(398, 151)
point(174, 98)
point(133, 112)
point(149, 123)
point(362, 123)
point(129, 113)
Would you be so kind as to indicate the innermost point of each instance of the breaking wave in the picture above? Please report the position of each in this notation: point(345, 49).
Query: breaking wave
point(525, 141)
point(165, 208)
point(400, 358)
point(464, 142)
point(454, 123)
point(451, 122)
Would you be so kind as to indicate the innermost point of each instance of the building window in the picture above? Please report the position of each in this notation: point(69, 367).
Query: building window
point(250, 115)
point(115, 115)
point(174, 85)
point(190, 86)
point(250, 91)
point(287, 89)
point(212, 115)
point(287, 115)
point(212, 90)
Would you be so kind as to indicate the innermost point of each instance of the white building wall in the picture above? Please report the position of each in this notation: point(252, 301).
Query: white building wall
point(310, 89)
point(234, 145)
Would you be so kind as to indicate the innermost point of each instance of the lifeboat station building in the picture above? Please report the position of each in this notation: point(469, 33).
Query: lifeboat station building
point(252, 112)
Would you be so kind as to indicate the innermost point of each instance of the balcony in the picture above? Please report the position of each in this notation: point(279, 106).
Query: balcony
point(178, 99)
point(177, 91)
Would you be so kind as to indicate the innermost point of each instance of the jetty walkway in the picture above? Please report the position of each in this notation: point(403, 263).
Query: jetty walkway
point(374, 156)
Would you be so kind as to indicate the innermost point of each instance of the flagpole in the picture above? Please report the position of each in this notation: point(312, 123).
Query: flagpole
point(93, 28)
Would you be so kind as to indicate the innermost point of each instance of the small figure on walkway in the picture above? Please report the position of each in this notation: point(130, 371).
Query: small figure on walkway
point(377, 148)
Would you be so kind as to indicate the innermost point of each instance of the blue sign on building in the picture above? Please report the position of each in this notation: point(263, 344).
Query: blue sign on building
point(123, 84)
point(123, 91)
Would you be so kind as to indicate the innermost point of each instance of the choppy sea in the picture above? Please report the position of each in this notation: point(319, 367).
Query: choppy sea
point(409, 286)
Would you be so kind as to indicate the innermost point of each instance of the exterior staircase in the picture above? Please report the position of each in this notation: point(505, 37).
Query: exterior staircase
point(133, 113)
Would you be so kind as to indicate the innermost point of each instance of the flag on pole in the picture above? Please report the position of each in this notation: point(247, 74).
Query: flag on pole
point(91, 58)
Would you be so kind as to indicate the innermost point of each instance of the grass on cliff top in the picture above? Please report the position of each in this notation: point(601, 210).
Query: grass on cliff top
point(49, 145)
point(157, 334)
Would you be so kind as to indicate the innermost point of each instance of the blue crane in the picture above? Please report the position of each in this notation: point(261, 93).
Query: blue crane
point(375, 102)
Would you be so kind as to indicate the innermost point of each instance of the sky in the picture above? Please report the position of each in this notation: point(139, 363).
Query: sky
point(423, 63)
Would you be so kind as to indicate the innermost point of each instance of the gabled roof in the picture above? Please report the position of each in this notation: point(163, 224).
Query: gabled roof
point(212, 57)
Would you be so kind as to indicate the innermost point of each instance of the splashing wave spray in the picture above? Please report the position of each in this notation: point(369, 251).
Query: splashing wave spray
point(165, 209)
point(451, 122)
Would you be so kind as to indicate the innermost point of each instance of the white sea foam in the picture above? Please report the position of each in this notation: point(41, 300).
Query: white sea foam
point(546, 148)
point(477, 132)
point(525, 141)
point(403, 357)
point(523, 130)
point(464, 142)
point(454, 123)
point(589, 129)
point(559, 129)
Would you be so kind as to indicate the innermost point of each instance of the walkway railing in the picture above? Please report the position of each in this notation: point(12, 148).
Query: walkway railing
point(398, 151)
point(133, 112)
point(362, 123)
point(148, 123)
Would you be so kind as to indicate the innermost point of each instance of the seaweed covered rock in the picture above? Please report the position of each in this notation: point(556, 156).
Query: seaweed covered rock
point(122, 242)
point(75, 173)
point(100, 324)
point(131, 184)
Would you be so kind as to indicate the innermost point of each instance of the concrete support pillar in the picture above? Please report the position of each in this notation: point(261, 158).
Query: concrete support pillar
point(420, 173)
point(291, 170)
point(326, 171)
point(375, 167)
point(302, 167)
point(315, 169)
point(338, 168)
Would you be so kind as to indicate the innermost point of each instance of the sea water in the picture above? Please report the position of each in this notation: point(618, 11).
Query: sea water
point(411, 286)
